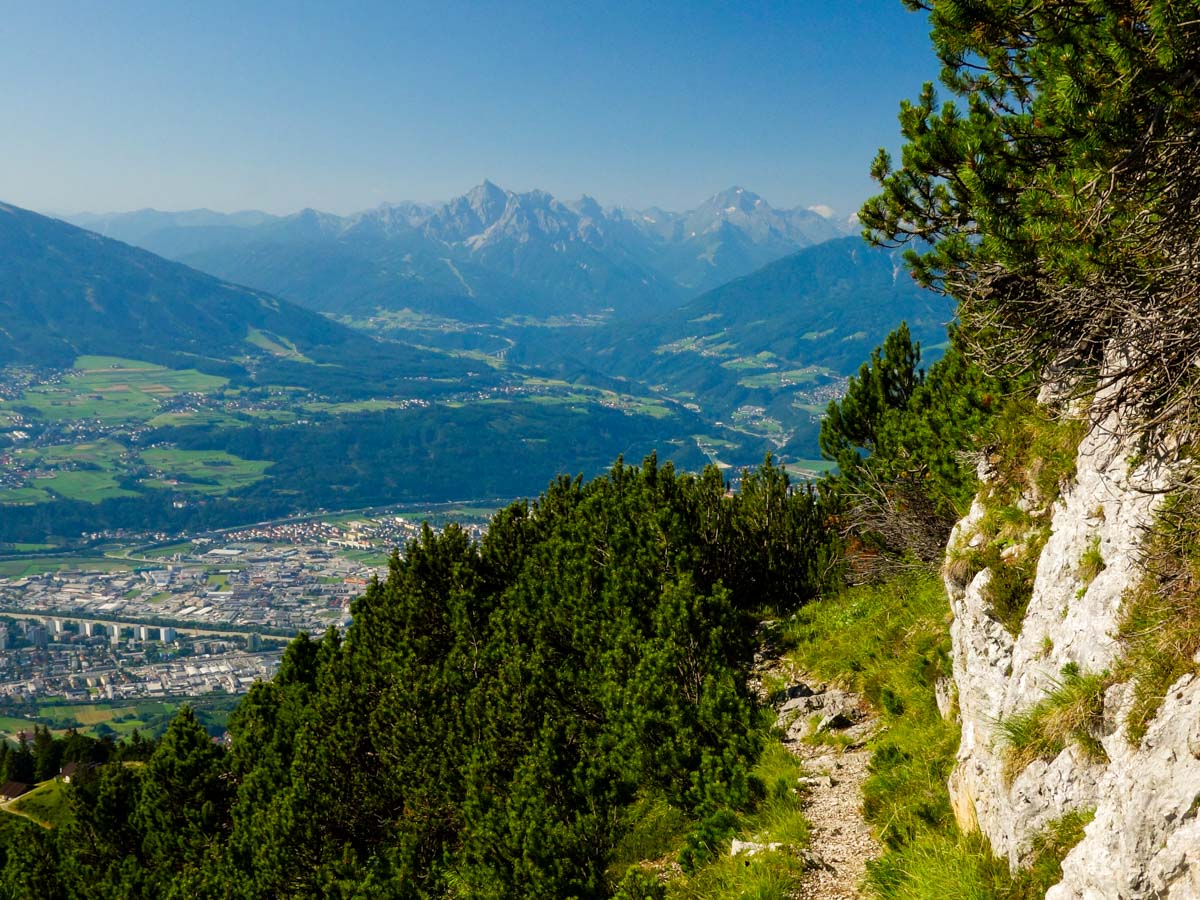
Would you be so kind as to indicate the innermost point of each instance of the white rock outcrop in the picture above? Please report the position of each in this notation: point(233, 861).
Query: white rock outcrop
point(1144, 840)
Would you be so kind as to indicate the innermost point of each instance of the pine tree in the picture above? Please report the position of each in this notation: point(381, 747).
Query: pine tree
point(1055, 193)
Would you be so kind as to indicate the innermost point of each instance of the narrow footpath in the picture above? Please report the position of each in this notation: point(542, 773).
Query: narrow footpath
point(827, 728)
point(841, 840)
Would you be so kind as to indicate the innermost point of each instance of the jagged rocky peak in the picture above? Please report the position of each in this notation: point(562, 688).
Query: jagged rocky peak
point(588, 207)
point(488, 201)
point(737, 199)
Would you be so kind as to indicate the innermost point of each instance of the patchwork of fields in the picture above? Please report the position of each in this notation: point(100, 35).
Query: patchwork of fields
point(118, 445)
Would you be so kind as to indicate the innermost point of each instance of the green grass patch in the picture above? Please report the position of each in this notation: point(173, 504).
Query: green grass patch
point(653, 410)
point(809, 468)
point(11, 726)
point(170, 550)
point(276, 416)
point(764, 359)
point(781, 379)
point(23, 496)
point(356, 406)
point(938, 866)
point(202, 471)
point(47, 804)
point(276, 345)
point(367, 557)
point(1091, 563)
point(19, 568)
point(90, 363)
point(711, 345)
point(714, 442)
point(86, 485)
point(1050, 847)
point(210, 417)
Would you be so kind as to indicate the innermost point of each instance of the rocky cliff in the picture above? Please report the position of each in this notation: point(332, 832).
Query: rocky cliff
point(1085, 549)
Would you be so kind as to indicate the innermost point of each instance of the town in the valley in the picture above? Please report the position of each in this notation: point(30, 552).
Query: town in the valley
point(207, 616)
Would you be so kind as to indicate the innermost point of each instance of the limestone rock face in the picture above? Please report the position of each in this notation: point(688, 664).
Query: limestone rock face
point(1144, 840)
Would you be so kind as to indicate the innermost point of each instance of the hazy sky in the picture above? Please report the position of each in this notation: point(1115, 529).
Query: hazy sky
point(343, 105)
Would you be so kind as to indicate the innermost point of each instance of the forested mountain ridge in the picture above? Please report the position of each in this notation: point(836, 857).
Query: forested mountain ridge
point(66, 292)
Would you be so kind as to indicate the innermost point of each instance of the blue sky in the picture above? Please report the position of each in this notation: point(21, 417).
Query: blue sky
point(341, 106)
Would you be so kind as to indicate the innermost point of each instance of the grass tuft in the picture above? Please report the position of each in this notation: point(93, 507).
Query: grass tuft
point(1050, 848)
point(936, 866)
point(1160, 623)
point(1072, 712)
point(1091, 563)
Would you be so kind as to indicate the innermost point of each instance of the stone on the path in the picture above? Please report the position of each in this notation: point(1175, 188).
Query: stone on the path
point(750, 848)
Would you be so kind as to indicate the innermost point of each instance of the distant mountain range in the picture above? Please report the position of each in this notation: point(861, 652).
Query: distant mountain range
point(762, 353)
point(65, 291)
point(484, 256)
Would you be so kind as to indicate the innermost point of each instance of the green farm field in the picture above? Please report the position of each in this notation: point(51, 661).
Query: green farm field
point(780, 379)
point(23, 495)
point(113, 390)
point(202, 471)
point(117, 718)
point(19, 568)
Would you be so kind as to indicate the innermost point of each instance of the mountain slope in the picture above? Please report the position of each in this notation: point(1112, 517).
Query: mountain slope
point(828, 305)
point(773, 346)
point(730, 235)
point(65, 291)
